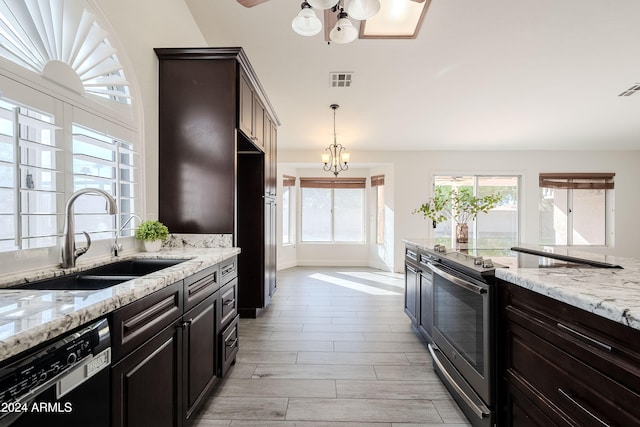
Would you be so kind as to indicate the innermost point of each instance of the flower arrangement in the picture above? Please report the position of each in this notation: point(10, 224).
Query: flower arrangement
point(151, 230)
point(459, 205)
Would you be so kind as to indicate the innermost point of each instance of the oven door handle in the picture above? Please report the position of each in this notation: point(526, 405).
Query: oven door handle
point(456, 280)
point(480, 410)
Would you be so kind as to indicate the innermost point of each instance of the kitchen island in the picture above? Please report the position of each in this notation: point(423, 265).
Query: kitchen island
point(565, 336)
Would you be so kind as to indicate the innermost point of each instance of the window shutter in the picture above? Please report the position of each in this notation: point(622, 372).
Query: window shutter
point(577, 181)
point(333, 182)
point(288, 181)
point(377, 180)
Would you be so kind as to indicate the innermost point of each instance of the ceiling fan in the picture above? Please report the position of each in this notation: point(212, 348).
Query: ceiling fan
point(339, 29)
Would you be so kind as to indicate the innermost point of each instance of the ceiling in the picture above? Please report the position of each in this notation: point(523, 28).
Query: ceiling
point(481, 75)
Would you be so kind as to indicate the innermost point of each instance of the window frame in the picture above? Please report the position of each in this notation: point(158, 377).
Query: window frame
point(289, 187)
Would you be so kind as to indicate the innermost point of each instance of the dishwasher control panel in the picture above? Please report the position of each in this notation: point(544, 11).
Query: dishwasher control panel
point(22, 378)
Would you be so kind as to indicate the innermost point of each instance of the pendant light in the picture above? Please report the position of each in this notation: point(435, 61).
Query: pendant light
point(306, 23)
point(363, 9)
point(343, 31)
point(322, 4)
point(335, 159)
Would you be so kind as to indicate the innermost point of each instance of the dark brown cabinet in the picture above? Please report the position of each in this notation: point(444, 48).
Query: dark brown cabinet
point(217, 159)
point(564, 366)
point(412, 284)
point(170, 347)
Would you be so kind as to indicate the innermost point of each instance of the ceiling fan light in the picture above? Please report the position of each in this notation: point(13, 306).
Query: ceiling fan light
point(363, 9)
point(322, 4)
point(306, 23)
point(343, 32)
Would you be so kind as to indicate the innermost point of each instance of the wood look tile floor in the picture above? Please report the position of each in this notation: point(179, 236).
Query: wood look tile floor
point(333, 349)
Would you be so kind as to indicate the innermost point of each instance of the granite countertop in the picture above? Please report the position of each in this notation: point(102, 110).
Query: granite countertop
point(611, 293)
point(30, 317)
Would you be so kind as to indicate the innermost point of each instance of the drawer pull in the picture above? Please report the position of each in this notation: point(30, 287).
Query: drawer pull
point(229, 302)
point(582, 408)
point(185, 324)
point(585, 338)
point(232, 343)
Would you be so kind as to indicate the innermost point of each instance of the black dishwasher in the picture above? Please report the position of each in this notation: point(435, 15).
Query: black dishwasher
point(62, 383)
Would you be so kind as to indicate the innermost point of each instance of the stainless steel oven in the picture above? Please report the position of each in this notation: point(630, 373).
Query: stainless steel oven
point(463, 347)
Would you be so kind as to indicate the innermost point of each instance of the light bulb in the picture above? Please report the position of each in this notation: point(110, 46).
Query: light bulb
point(363, 9)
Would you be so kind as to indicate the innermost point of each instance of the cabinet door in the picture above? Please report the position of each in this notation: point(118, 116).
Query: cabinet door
point(258, 123)
point(200, 353)
point(411, 292)
point(245, 113)
point(146, 384)
point(425, 324)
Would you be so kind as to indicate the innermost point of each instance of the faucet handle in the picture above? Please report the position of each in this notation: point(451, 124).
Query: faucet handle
point(82, 251)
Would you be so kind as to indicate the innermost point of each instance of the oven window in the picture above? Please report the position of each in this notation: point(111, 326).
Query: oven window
point(459, 317)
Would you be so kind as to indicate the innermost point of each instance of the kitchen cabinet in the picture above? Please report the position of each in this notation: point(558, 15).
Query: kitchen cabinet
point(564, 366)
point(425, 311)
point(412, 284)
point(217, 145)
point(166, 349)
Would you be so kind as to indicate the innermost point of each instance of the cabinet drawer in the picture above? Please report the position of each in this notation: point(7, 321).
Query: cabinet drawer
point(135, 323)
point(228, 270)
point(565, 386)
point(228, 346)
point(601, 343)
point(200, 285)
point(229, 302)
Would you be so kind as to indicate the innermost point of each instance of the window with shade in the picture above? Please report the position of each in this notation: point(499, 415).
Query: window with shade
point(576, 208)
point(333, 210)
point(288, 209)
point(377, 187)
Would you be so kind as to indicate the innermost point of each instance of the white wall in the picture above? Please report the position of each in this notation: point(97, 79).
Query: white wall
point(409, 182)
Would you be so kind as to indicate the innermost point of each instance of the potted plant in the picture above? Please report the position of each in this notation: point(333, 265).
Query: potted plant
point(459, 205)
point(152, 233)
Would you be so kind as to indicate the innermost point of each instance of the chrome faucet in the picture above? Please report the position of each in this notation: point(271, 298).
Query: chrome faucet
point(69, 251)
point(117, 247)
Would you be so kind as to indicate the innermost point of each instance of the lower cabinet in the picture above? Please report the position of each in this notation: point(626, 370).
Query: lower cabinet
point(171, 347)
point(199, 353)
point(412, 285)
point(564, 366)
point(146, 383)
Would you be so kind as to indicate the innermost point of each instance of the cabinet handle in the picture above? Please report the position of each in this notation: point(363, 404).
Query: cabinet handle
point(229, 301)
point(232, 343)
point(582, 408)
point(585, 338)
point(185, 324)
point(411, 269)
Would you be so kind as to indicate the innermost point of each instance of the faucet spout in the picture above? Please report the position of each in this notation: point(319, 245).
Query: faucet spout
point(69, 252)
point(117, 247)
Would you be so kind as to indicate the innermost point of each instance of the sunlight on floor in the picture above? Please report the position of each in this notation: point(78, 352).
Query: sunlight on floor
point(383, 277)
point(368, 289)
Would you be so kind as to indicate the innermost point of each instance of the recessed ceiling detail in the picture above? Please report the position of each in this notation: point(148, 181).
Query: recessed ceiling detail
point(341, 79)
point(631, 91)
point(45, 36)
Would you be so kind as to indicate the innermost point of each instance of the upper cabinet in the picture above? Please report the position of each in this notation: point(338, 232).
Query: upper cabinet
point(211, 107)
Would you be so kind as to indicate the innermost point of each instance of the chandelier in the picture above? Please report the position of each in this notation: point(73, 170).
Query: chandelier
point(336, 158)
point(306, 23)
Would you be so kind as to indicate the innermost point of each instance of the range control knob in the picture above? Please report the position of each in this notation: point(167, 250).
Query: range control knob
point(477, 261)
point(487, 263)
point(71, 358)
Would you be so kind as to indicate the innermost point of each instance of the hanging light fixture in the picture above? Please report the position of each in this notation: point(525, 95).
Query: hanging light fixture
point(306, 23)
point(336, 159)
point(344, 31)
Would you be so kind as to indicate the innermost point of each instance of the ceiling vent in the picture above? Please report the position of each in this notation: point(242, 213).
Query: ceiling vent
point(340, 79)
point(632, 90)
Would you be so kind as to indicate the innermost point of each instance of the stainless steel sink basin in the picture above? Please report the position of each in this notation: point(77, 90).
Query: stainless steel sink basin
point(104, 276)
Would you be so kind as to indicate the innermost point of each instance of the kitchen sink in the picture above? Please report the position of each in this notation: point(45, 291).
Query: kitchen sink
point(104, 276)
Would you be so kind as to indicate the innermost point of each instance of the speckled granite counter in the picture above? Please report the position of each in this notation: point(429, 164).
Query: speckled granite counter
point(610, 293)
point(30, 317)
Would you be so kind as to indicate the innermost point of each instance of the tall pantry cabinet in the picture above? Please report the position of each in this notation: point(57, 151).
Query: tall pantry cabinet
point(217, 159)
